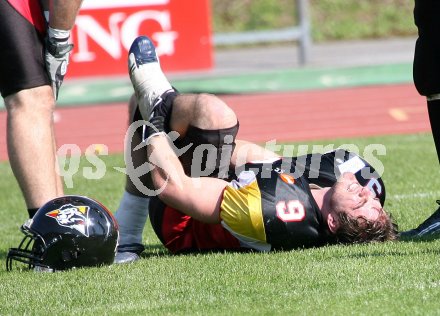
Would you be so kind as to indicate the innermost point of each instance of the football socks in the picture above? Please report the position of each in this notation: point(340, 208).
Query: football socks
point(131, 215)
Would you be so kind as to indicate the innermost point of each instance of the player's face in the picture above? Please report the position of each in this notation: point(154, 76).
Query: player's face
point(350, 197)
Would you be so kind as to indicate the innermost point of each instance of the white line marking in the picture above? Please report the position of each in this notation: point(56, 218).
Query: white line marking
point(434, 194)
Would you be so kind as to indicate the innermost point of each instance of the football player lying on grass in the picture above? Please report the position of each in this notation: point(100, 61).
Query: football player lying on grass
point(276, 203)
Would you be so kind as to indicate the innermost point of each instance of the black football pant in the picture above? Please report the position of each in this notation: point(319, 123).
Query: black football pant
point(426, 68)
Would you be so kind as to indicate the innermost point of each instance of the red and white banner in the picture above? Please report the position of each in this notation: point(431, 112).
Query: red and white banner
point(105, 29)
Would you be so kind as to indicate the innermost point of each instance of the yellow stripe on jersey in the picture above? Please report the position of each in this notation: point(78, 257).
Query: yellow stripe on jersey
point(241, 210)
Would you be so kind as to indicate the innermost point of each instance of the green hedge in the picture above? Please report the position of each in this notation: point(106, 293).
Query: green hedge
point(330, 19)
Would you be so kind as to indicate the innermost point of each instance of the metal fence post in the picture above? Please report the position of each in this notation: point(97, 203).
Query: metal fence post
point(300, 33)
point(305, 39)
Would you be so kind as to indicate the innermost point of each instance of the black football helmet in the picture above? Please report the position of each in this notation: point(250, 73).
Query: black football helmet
point(67, 232)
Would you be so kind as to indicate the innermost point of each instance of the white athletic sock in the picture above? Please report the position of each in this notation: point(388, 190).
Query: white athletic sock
point(131, 215)
point(154, 86)
point(150, 82)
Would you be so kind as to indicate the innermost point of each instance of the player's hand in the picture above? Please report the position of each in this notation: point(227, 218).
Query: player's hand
point(57, 60)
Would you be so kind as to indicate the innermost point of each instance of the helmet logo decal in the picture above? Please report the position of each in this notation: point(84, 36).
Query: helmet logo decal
point(287, 178)
point(74, 217)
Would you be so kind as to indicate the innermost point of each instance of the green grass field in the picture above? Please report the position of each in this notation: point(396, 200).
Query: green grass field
point(396, 278)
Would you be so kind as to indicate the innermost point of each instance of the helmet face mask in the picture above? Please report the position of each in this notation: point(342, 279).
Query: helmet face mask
point(29, 250)
point(67, 232)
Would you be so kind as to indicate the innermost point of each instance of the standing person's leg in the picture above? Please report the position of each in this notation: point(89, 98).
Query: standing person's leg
point(31, 145)
point(426, 70)
point(29, 102)
point(427, 60)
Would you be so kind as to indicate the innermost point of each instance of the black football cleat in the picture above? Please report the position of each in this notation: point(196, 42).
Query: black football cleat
point(429, 227)
point(128, 253)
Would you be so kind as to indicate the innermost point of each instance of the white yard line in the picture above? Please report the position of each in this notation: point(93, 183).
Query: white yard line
point(432, 194)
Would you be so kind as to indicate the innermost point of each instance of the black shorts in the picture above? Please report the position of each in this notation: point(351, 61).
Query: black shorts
point(22, 64)
point(426, 58)
point(196, 137)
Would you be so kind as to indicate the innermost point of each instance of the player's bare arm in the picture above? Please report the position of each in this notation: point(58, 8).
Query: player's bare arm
point(63, 13)
point(180, 191)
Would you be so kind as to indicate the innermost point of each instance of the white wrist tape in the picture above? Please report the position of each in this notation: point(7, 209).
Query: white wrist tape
point(60, 35)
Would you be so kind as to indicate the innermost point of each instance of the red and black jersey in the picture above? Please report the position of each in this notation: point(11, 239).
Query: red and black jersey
point(291, 217)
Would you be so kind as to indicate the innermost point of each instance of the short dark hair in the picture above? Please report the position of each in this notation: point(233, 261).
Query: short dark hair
point(357, 230)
